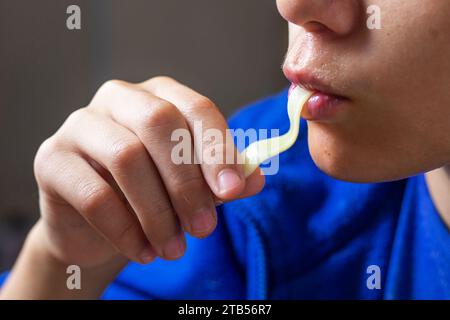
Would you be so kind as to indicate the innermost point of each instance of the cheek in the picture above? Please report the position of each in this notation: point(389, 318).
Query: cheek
point(375, 152)
point(362, 154)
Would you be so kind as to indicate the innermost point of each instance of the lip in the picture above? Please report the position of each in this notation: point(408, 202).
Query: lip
point(325, 104)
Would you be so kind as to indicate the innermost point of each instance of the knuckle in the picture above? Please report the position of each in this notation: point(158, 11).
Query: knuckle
point(76, 117)
point(94, 198)
point(125, 153)
point(111, 85)
point(106, 91)
point(125, 233)
point(201, 104)
point(160, 226)
point(186, 181)
point(46, 149)
point(215, 150)
point(159, 114)
point(159, 80)
point(42, 158)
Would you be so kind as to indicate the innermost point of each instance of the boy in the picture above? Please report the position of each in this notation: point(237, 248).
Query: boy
point(109, 192)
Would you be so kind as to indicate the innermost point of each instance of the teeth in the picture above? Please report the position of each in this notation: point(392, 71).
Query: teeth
point(263, 150)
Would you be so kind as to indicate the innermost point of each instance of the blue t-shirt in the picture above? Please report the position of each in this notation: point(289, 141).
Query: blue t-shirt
point(307, 236)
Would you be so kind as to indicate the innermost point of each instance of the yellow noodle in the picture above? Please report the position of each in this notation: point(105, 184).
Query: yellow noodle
point(263, 150)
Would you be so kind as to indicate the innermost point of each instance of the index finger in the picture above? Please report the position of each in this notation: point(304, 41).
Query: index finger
point(214, 145)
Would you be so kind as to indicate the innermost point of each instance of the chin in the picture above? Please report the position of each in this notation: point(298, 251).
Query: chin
point(344, 158)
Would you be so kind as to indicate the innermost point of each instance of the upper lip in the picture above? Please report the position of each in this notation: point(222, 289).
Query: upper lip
point(309, 82)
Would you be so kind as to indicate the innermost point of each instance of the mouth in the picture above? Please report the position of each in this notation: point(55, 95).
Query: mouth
point(326, 104)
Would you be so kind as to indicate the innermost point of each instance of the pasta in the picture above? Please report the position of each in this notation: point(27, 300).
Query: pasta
point(262, 150)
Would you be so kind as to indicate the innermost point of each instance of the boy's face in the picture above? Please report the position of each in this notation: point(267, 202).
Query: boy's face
point(395, 119)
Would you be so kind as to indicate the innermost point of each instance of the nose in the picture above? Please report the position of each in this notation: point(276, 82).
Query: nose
point(339, 17)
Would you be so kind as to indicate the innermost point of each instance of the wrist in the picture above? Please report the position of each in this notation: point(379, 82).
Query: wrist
point(38, 274)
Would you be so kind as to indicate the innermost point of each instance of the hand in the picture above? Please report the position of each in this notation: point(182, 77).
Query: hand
point(109, 188)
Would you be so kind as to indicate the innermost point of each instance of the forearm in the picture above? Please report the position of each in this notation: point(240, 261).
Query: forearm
point(39, 275)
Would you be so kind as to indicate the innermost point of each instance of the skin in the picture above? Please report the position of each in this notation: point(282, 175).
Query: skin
point(397, 119)
point(109, 192)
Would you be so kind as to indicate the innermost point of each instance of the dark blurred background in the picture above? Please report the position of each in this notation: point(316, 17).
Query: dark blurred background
point(229, 50)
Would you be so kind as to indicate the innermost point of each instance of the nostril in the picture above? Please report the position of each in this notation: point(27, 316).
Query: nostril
point(316, 27)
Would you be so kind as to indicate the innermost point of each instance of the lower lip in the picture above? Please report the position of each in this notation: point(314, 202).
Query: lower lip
point(323, 107)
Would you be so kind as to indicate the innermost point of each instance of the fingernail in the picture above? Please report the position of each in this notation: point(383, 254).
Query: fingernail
point(203, 222)
point(174, 248)
point(228, 180)
point(147, 255)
